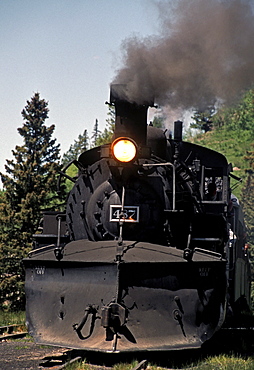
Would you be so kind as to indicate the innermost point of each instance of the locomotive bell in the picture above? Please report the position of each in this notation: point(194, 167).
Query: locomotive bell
point(130, 118)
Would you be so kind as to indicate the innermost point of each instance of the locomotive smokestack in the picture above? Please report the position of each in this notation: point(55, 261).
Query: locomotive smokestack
point(178, 130)
point(130, 118)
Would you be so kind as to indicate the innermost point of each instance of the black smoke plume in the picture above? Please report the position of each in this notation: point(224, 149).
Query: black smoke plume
point(205, 53)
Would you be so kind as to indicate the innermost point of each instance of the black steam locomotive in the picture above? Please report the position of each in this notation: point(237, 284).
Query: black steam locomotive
point(150, 253)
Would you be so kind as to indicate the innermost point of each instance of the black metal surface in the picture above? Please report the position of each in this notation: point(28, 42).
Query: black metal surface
point(168, 303)
point(146, 263)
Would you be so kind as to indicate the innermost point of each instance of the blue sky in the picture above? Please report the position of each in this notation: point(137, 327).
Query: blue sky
point(68, 51)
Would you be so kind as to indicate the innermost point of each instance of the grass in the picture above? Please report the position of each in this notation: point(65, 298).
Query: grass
point(225, 362)
point(232, 144)
point(221, 362)
point(11, 318)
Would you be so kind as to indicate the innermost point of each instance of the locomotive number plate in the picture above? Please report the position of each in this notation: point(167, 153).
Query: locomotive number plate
point(130, 213)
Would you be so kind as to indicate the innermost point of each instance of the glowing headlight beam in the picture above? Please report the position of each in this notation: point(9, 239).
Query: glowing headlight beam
point(124, 149)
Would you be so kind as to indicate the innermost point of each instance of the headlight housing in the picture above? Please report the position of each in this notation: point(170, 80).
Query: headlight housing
point(124, 149)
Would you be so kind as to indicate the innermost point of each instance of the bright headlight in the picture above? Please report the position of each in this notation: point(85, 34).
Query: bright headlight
point(124, 149)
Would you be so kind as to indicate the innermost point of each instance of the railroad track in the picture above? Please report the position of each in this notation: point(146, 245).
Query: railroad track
point(53, 361)
point(60, 361)
point(229, 339)
point(12, 331)
point(70, 357)
point(61, 358)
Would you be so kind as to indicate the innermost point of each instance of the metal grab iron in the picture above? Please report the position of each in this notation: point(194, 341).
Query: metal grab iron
point(90, 310)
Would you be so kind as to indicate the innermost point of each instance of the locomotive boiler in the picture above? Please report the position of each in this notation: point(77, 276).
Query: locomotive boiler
point(149, 255)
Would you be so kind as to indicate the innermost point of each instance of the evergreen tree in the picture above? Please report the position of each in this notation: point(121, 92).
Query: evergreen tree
point(80, 145)
point(30, 184)
point(159, 121)
point(96, 133)
point(242, 117)
point(106, 136)
point(239, 117)
point(203, 120)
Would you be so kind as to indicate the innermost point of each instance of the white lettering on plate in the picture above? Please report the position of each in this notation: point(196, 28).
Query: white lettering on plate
point(40, 270)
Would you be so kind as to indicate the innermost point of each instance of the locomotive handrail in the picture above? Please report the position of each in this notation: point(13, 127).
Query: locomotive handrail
point(62, 173)
point(208, 252)
point(174, 171)
point(37, 250)
point(213, 201)
point(238, 179)
point(59, 250)
point(207, 239)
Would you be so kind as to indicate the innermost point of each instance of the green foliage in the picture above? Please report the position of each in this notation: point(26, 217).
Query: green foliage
point(96, 133)
point(29, 187)
point(220, 362)
point(12, 318)
point(233, 136)
point(80, 145)
point(106, 136)
point(225, 362)
point(203, 120)
point(71, 171)
point(159, 121)
point(237, 118)
point(247, 198)
point(233, 145)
